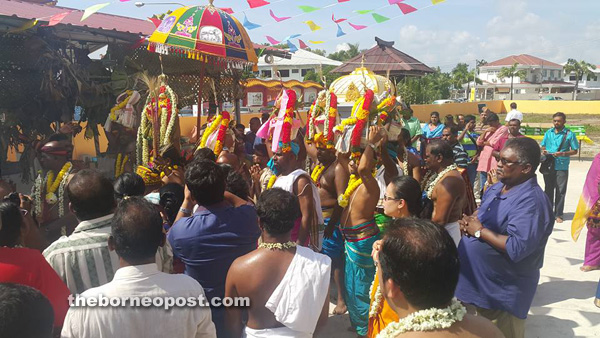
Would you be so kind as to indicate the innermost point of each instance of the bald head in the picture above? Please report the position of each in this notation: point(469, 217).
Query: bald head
point(229, 158)
point(91, 195)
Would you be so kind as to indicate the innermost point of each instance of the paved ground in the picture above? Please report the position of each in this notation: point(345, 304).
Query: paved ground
point(563, 305)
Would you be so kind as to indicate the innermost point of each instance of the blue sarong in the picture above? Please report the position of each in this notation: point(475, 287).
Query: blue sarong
point(333, 246)
point(360, 272)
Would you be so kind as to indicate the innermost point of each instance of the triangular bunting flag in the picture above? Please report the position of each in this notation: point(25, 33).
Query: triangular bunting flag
point(338, 20)
point(292, 47)
point(316, 42)
point(312, 25)
point(93, 9)
point(27, 25)
point(393, 2)
point(357, 27)
point(302, 44)
point(256, 3)
point(435, 2)
point(343, 0)
point(340, 32)
point(406, 9)
point(56, 19)
point(155, 21)
point(379, 18)
point(289, 37)
point(227, 10)
point(272, 41)
point(364, 11)
point(308, 9)
point(249, 25)
point(276, 18)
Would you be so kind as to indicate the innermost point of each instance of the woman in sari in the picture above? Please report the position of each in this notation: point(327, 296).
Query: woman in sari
point(402, 199)
point(588, 212)
point(431, 131)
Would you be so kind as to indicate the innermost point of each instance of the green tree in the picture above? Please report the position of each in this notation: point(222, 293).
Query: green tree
point(461, 75)
point(512, 72)
point(580, 68)
point(345, 55)
point(426, 89)
point(315, 76)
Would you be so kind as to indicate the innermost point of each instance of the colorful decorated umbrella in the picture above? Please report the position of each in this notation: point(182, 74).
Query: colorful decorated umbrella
point(199, 32)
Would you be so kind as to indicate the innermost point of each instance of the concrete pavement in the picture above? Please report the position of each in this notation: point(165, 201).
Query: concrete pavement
point(563, 304)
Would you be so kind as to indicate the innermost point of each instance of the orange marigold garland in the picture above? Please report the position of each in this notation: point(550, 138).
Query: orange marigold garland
point(286, 129)
point(222, 132)
point(361, 121)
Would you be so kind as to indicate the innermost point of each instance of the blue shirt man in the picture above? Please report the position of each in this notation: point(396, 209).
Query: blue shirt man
point(552, 140)
point(502, 256)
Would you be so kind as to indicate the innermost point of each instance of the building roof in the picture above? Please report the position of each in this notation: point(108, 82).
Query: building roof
point(546, 83)
point(523, 59)
point(299, 58)
point(383, 58)
point(287, 84)
point(28, 10)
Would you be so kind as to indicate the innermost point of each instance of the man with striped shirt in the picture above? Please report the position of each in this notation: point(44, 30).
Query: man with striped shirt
point(450, 135)
point(83, 259)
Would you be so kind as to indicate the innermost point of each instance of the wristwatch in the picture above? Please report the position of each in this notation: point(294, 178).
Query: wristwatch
point(374, 147)
point(477, 233)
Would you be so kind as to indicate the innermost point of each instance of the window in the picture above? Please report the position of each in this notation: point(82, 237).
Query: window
point(572, 78)
point(592, 78)
point(265, 73)
point(295, 71)
point(284, 73)
point(545, 73)
point(558, 75)
point(305, 71)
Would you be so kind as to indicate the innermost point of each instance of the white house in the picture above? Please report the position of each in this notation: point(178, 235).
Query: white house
point(302, 62)
point(587, 82)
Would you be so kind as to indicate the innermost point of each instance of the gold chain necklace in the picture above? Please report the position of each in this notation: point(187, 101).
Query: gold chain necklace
point(277, 246)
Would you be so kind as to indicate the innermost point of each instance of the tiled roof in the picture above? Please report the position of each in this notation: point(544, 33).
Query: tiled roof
point(523, 59)
point(27, 10)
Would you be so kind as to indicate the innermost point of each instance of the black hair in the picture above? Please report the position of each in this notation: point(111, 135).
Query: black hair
point(205, 154)
point(453, 129)
point(172, 154)
point(237, 185)
point(261, 149)
point(513, 105)
point(422, 260)
point(206, 181)
point(239, 125)
point(405, 135)
point(129, 184)
point(277, 210)
point(527, 150)
point(171, 199)
point(515, 120)
point(560, 114)
point(440, 147)
point(255, 119)
point(91, 194)
point(492, 117)
point(434, 114)
point(12, 221)
point(469, 118)
point(264, 116)
point(449, 116)
point(24, 312)
point(137, 230)
point(408, 189)
point(57, 137)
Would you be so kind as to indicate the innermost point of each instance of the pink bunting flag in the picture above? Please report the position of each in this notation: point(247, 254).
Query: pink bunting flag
point(227, 10)
point(343, 0)
point(302, 44)
point(56, 19)
point(338, 20)
point(357, 27)
point(257, 3)
point(393, 2)
point(155, 21)
point(271, 40)
point(406, 9)
point(276, 18)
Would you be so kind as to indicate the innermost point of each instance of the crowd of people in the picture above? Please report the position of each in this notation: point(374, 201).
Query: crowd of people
point(448, 238)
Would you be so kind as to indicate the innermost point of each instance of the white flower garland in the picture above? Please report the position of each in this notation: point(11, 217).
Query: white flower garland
point(61, 199)
point(169, 132)
point(426, 320)
point(405, 163)
point(326, 112)
point(438, 178)
point(375, 308)
point(277, 246)
point(37, 194)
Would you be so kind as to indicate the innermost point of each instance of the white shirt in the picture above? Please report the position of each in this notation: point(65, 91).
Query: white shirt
point(514, 114)
point(133, 322)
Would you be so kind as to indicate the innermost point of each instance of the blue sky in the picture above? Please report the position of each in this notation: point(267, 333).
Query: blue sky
point(441, 35)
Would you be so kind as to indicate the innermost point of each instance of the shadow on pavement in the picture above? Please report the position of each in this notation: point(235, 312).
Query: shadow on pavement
point(558, 290)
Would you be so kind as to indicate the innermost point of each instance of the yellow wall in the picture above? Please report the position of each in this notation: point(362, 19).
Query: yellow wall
point(422, 111)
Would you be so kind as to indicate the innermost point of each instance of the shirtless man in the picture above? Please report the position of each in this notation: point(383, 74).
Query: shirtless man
point(445, 188)
point(331, 183)
point(416, 277)
point(360, 231)
point(278, 308)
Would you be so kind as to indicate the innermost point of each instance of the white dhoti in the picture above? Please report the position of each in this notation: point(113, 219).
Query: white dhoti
point(454, 231)
point(298, 300)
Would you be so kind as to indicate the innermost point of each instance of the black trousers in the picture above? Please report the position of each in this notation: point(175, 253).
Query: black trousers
point(556, 190)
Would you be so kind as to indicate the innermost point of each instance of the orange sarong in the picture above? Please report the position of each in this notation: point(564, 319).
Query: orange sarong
point(385, 316)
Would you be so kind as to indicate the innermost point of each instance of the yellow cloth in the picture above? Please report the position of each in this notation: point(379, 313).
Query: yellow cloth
point(383, 318)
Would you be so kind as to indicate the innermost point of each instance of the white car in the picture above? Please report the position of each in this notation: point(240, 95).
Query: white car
point(443, 101)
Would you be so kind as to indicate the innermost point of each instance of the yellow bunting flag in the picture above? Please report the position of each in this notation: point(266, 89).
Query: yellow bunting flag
point(312, 25)
point(27, 25)
point(435, 2)
point(316, 42)
point(93, 9)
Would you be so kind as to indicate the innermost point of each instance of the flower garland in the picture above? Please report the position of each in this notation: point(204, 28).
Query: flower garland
point(353, 184)
point(271, 182)
point(61, 200)
point(120, 166)
point(317, 172)
point(383, 117)
point(361, 121)
point(172, 117)
point(375, 308)
point(352, 119)
point(405, 163)
point(37, 194)
point(222, 132)
point(53, 184)
point(209, 130)
point(310, 123)
point(286, 129)
point(438, 178)
point(277, 246)
point(330, 121)
point(120, 106)
point(426, 320)
point(141, 148)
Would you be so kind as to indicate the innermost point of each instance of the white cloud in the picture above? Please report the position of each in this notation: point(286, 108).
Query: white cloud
point(342, 46)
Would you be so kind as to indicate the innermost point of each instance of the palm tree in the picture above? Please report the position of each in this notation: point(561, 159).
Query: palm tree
point(512, 72)
point(460, 76)
point(580, 68)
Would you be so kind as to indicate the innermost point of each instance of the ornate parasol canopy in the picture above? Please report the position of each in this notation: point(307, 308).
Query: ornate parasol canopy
point(203, 33)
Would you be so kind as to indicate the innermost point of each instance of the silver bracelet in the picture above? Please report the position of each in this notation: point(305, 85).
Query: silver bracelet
point(185, 211)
